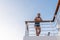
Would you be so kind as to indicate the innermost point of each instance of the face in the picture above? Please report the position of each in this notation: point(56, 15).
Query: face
point(38, 14)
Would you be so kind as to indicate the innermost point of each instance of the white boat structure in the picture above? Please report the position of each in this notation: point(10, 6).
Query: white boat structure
point(49, 32)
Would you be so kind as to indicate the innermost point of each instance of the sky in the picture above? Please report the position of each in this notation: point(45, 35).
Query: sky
point(14, 13)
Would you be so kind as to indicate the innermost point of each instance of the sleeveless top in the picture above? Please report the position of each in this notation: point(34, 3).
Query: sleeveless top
point(37, 23)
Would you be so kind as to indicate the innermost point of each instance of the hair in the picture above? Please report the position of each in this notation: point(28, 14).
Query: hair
point(38, 13)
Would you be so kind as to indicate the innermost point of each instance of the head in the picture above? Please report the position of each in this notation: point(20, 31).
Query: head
point(38, 15)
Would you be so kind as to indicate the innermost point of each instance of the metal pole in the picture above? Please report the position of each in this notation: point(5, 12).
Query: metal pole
point(27, 30)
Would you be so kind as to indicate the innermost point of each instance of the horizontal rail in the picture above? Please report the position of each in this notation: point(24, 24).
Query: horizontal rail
point(43, 27)
point(42, 24)
point(44, 30)
point(34, 21)
point(43, 34)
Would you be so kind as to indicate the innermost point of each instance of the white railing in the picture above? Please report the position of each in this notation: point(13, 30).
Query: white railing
point(46, 28)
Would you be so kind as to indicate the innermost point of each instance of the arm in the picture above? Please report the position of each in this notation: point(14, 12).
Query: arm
point(38, 19)
point(35, 19)
point(41, 19)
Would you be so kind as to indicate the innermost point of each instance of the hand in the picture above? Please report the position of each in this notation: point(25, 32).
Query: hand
point(54, 15)
point(37, 20)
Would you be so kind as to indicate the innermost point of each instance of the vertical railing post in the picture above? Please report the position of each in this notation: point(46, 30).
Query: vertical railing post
point(48, 33)
point(27, 30)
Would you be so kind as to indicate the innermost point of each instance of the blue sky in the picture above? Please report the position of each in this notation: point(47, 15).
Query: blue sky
point(13, 14)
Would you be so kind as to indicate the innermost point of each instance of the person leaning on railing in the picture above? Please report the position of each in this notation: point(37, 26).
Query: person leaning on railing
point(37, 24)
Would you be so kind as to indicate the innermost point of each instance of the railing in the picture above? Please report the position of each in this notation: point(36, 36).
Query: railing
point(50, 21)
point(47, 30)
